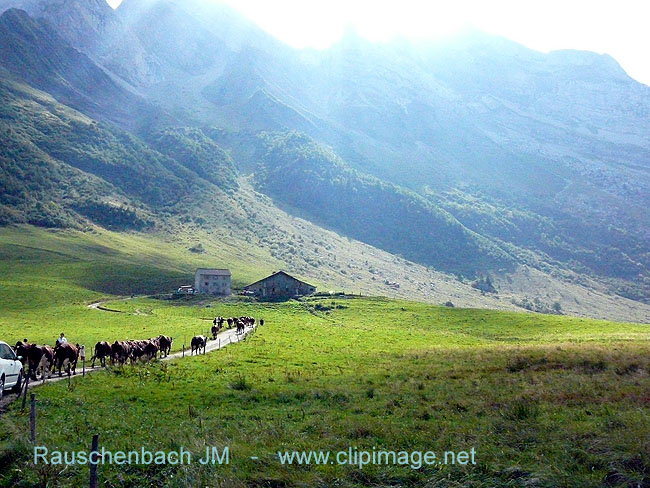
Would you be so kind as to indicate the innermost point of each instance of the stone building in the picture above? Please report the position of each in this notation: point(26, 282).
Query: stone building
point(212, 281)
point(280, 285)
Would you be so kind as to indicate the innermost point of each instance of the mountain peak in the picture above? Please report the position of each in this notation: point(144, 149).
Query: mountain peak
point(13, 14)
point(586, 59)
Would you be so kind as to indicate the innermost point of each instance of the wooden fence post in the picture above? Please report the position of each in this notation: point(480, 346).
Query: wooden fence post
point(93, 465)
point(32, 418)
point(183, 350)
point(83, 366)
point(26, 387)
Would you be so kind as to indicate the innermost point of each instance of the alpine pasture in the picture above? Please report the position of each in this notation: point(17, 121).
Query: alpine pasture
point(543, 400)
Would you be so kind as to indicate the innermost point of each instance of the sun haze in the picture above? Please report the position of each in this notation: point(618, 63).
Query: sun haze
point(617, 28)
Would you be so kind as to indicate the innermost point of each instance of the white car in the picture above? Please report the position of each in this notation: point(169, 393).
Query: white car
point(11, 370)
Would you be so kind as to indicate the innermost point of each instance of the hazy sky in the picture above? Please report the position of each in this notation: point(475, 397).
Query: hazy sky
point(619, 28)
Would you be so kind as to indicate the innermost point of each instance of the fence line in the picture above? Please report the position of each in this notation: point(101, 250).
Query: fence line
point(32, 418)
point(94, 479)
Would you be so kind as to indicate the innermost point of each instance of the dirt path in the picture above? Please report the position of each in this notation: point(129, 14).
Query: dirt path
point(224, 338)
point(99, 305)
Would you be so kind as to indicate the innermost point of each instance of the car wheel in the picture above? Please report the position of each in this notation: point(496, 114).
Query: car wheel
point(19, 383)
point(2, 387)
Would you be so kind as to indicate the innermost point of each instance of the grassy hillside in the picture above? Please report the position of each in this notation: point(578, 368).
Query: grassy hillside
point(545, 401)
point(51, 277)
point(322, 374)
point(57, 164)
point(298, 171)
point(584, 244)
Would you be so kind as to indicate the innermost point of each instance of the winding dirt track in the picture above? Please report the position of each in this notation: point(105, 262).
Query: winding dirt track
point(224, 338)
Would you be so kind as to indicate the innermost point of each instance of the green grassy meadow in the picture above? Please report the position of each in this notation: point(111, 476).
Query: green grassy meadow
point(544, 400)
point(47, 280)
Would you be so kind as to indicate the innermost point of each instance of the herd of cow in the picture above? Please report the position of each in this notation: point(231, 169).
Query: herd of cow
point(46, 359)
point(199, 343)
point(239, 322)
point(65, 355)
point(122, 351)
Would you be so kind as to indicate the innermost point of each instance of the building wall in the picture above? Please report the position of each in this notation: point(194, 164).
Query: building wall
point(281, 286)
point(212, 284)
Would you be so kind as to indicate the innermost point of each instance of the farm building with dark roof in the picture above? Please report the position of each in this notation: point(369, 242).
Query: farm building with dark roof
point(280, 285)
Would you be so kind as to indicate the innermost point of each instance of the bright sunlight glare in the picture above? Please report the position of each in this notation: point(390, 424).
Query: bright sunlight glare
point(616, 28)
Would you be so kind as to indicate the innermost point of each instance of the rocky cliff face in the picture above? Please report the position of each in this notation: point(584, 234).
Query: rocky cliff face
point(83, 23)
point(34, 51)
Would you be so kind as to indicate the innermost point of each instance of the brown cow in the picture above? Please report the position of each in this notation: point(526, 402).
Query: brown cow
point(37, 357)
point(215, 331)
point(47, 360)
point(22, 349)
point(102, 351)
point(65, 354)
point(136, 350)
point(198, 343)
point(150, 350)
point(165, 344)
point(120, 352)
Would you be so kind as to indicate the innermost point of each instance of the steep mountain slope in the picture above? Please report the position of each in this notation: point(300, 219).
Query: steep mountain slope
point(61, 169)
point(194, 150)
point(35, 52)
point(474, 154)
point(82, 23)
point(56, 160)
point(561, 138)
point(299, 172)
point(93, 28)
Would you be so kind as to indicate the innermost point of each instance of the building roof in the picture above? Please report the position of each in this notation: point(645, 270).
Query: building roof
point(275, 274)
point(213, 271)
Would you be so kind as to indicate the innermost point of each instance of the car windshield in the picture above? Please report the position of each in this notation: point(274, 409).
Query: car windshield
point(6, 352)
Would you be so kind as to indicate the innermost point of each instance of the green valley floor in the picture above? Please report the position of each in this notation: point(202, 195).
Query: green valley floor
point(541, 400)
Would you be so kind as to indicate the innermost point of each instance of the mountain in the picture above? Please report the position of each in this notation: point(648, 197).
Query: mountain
point(34, 51)
point(473, 155)
point(296, 171)
point(57, 162)
point(81, 23)
point(198, 153)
